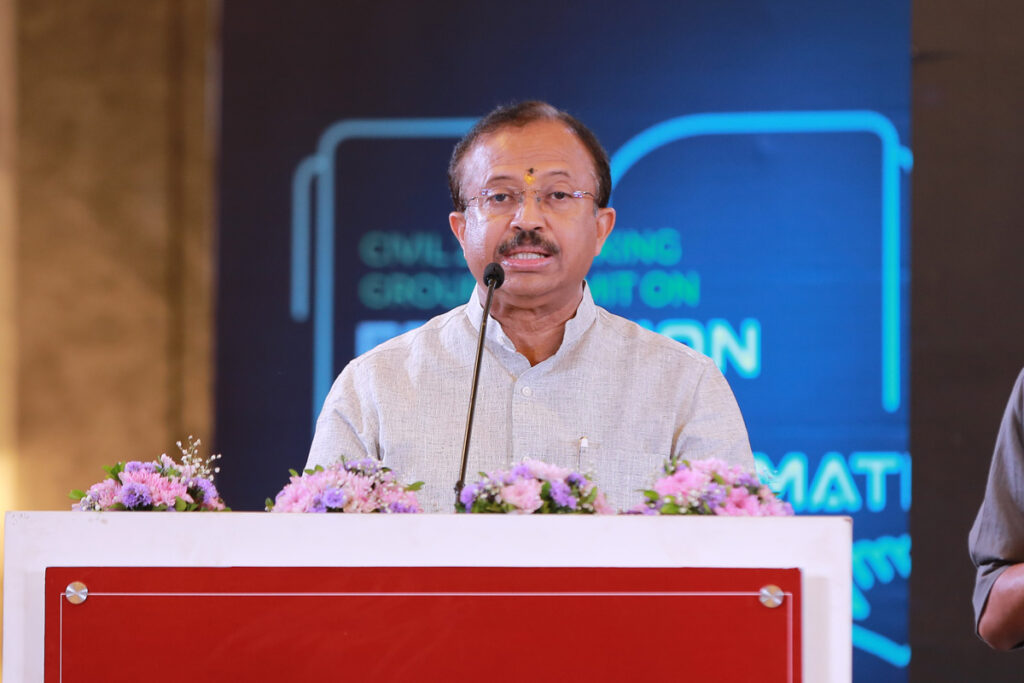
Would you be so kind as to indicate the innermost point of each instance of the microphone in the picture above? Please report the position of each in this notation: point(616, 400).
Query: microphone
point(494, 276)
point(494, 273)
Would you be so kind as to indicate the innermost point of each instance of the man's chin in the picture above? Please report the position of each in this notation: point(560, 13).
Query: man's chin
point(526, 289)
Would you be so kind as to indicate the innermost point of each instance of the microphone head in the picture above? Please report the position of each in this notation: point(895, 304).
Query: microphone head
point(495, 274)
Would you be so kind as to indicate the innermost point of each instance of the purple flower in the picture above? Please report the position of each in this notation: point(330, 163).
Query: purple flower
point(136, 466)
point(561, 494)
point(135, 495)
point(206, 490)
point(317, 504)
point(334, 498)
point(714, 496)
point(398, 506)
point(500, 477)
point(521, 470)
point(468, 494)
point(575, 478)
point(748, 479)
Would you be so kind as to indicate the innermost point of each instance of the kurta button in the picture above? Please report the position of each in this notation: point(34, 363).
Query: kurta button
point(527, 391)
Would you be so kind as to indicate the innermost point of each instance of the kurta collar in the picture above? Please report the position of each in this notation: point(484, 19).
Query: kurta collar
point(586, 314)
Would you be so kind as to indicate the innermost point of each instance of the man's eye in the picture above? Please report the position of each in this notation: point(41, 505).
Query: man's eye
point(499, 197)
point(558, 195)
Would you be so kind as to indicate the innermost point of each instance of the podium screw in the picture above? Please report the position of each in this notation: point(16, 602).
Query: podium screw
point(770, 595)
point(76, 592)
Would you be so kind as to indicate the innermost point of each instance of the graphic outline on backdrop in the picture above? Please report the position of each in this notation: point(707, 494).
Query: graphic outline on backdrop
point(317, 171)
point(316, 174)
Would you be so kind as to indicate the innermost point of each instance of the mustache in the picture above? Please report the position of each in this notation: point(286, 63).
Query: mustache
point(527, 238)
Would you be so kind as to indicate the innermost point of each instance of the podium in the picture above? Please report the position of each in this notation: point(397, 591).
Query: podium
point(256, 596)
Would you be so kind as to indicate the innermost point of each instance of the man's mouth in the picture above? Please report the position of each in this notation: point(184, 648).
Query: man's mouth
point(527, 248)
point(525, 256)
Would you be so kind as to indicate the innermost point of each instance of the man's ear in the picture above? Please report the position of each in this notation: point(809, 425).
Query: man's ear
point(457, 220)
point(605, 223)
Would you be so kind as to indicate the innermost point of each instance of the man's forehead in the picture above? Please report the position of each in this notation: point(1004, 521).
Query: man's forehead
point(527, 153)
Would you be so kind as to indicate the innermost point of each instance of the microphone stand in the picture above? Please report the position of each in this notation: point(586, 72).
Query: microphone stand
point(494, 276)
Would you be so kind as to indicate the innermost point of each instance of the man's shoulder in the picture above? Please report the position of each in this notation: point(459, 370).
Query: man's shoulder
point(647, 342)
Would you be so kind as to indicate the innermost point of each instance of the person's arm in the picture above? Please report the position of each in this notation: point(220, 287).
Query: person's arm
point(714, 426)
point(348, 424)
point(997, 537)
point(1002, 621)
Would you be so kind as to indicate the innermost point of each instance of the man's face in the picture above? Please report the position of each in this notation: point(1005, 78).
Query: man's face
point(545, 253)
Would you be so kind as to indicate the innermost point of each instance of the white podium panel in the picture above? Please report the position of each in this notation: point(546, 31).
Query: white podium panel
point(819, 546)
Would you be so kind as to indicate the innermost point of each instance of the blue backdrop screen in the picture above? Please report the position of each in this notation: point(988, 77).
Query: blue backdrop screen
point(760, 169)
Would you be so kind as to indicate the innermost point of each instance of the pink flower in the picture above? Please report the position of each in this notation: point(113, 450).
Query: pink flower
point(100, 496)
point(546, 471)
point(524, 494)
point(740, 503)
point(296, 496)
point(367, 492)
point(683, 484)
point(711, 465)
point(601, 505)
point(396, 499)
point(163, 490)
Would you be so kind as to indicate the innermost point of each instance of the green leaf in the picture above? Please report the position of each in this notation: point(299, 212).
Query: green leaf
point(269, 505)
point(670, 509)
point(76, 494)
point(294, 473)
point(114, 470)
point(117, 506)
point(179, 504)
point(651, 495)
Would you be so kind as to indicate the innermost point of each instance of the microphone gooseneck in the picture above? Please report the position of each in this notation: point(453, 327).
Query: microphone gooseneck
point(494, 277)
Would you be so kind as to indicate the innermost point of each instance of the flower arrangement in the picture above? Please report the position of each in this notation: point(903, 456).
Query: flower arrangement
point(533, 487)
point(158, 485)
point(360, 486)
point(710, 487)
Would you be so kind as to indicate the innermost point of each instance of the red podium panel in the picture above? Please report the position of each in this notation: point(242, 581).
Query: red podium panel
point(421, 623)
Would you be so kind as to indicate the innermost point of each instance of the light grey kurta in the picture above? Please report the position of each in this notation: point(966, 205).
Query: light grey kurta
point(997, 537)
point(614, 402)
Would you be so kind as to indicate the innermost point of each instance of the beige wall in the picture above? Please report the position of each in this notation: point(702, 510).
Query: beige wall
point(8, 473)
point(106, 271)
point(7, 257)
point(113, 237)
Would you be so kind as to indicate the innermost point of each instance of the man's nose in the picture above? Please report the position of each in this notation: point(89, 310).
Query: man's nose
point(529, 214)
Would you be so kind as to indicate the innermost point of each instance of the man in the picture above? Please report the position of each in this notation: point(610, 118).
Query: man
point(561, 380)
point(997, 537)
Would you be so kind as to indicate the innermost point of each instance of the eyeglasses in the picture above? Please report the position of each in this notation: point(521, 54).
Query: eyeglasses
point(504, 201)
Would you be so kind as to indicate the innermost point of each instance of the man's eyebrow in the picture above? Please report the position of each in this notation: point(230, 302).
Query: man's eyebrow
point(494, 178)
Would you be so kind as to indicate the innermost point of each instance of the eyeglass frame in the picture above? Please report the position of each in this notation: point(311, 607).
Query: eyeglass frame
point(520, 197)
